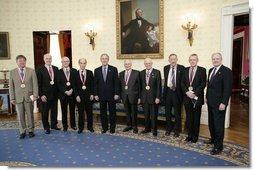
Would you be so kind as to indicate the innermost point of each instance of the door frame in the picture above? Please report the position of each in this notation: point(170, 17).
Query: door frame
point(227, 27)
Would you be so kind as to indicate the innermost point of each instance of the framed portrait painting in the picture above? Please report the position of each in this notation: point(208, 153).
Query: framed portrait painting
point(139, 28)
point(4, 45)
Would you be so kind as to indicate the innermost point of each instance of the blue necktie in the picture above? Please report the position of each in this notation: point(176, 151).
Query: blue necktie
point(104, 73)
point(22, 73)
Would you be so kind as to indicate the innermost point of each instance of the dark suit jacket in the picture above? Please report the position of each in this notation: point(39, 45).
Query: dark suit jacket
point(61, 82)
point(198, 84)
point(137, 34)
point(106, 90)
point(219, 90)
point(179, 76)
point(89, 83)
point(45, 88)
point(149, 96)
point(133, 90)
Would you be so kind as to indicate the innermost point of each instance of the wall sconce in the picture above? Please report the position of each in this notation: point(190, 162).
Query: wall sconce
point(190, 29)
point(91, 35)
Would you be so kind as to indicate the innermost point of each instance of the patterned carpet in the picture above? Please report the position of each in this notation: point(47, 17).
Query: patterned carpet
point(107, 150)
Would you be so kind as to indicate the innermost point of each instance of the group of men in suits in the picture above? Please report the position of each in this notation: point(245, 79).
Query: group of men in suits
point(132, 87)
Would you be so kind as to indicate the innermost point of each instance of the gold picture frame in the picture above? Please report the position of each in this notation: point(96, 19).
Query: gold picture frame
point(133, 42)
point(4, 46)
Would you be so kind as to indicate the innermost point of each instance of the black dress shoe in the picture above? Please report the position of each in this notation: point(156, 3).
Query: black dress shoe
point(145, 131)
point(80, 131)
point(47, 131)
point(74, 127)
point(135, 130)
point(155, 134)
point(91, 130)
point(194, 140)
point(112, 131)
point(31, 134)
point(56, 128)
point(127, 129)
point(167, 133)
point(22, 136)
point(176, 134)
point(215, 151)
point(103, 131)
point(65, 129)
point(209, 141)
point(188, 139)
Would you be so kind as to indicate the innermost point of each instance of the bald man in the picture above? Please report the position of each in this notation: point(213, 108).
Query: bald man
point(84, 90)
point(65, 82)
point(130, 94)
point(47, 80)
point(150, 95)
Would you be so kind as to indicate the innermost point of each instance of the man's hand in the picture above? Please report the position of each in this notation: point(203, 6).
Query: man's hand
point(13, 102)
point(96, 98)
point(222, 107)
point(91, 98)
point(157, 101)
point(116, 97)
point(78, 99)
point(43, 98)
point(139, 100)
point(35, 98)
point(190, 94)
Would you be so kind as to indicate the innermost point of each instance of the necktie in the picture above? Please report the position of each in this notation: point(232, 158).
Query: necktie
point(173, 79)
point(191, 75)
point(104, 73)
point(212, 77)
point(83, 76)
point(22, 73)
point(147, 77)
point(50, 72)
point(67, 72)
point(126, 76)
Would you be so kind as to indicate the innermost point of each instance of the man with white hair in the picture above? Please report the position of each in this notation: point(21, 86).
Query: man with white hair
point(48, 92)
point(130, 94)
point(150, 95)
point(66, 83)
point(219, 88)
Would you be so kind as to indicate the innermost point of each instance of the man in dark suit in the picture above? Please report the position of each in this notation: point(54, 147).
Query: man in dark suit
point(150, 95)
point(193, 84)
point(66, 82)
point(106, 91)
point(136, 41)
point(84, 89)
point(173, 94)
point(130, 94)
point(47, 80)
point(219, 87)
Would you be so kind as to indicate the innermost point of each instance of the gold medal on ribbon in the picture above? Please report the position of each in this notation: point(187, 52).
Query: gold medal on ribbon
point(83, 87)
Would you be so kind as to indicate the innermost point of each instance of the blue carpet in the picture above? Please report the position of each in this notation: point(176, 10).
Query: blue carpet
point(119, 150)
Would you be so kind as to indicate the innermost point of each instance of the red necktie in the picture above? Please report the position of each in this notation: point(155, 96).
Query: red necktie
point(212, 77)
point(50, 72)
